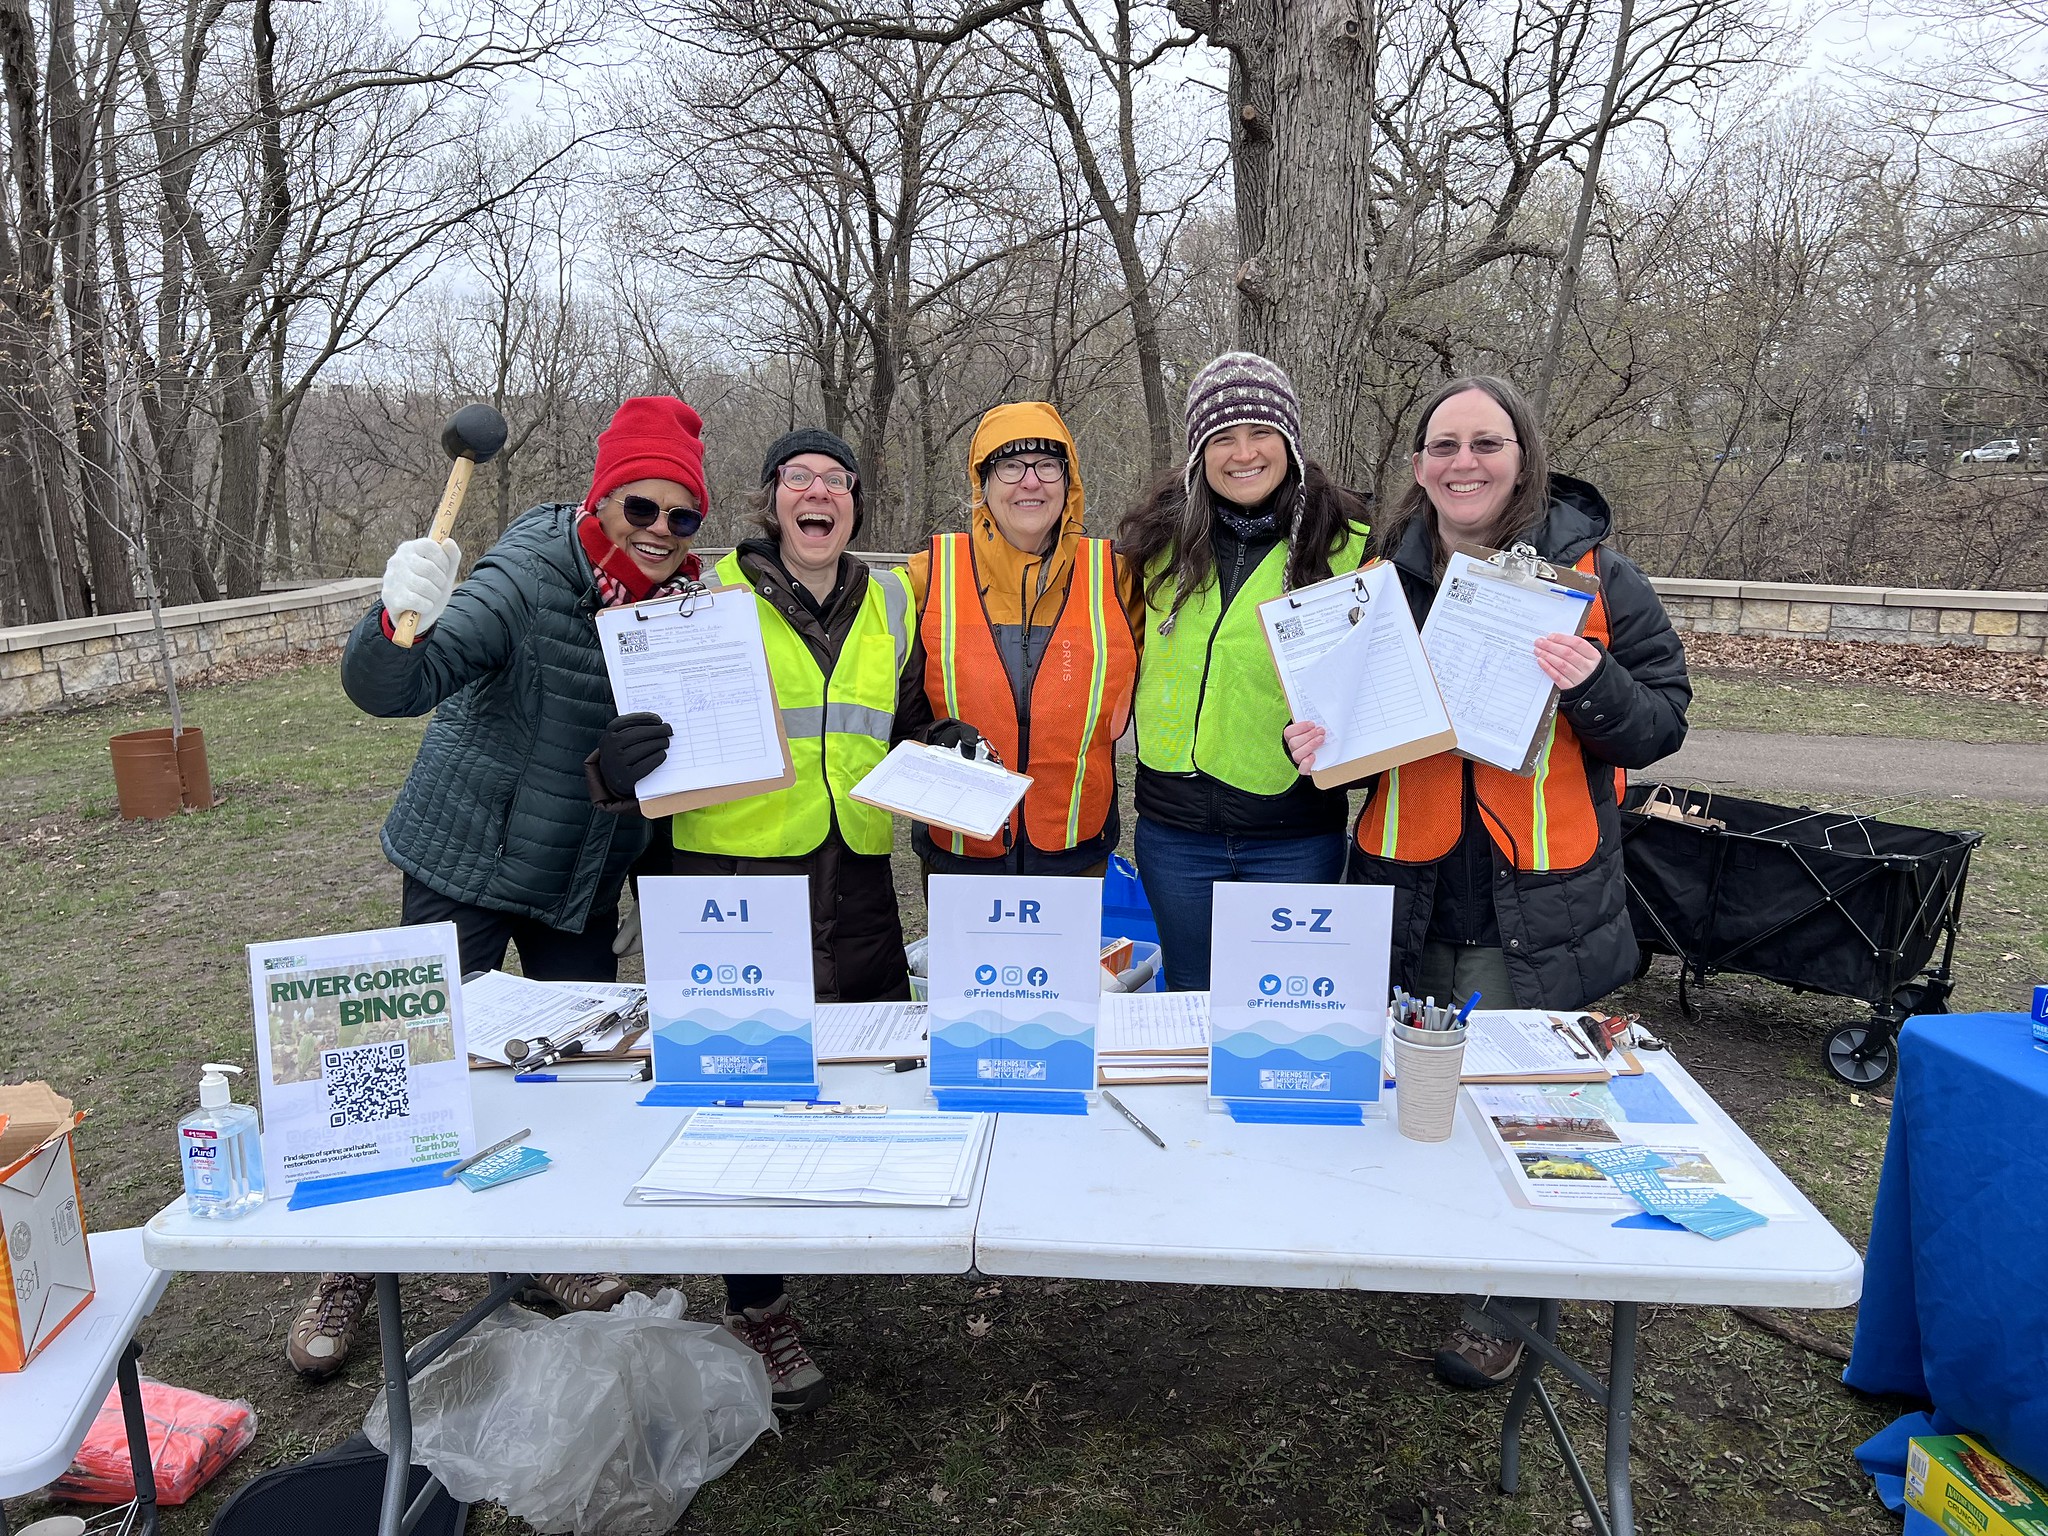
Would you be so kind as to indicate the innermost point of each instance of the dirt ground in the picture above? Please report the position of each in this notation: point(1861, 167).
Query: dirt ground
point(965, 1405)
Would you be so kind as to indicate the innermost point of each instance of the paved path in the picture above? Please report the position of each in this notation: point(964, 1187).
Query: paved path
point(1844, 767)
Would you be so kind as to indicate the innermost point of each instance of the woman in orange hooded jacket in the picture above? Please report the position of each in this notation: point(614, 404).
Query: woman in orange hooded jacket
point(1030, 632)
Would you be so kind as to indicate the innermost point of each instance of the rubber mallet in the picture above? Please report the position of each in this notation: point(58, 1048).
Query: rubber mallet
point(473, 436)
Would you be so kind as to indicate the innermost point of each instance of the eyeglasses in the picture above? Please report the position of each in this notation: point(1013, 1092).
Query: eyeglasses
point(798, 477)
point(644, 512)
point(1486, 445)
point(1011, 471)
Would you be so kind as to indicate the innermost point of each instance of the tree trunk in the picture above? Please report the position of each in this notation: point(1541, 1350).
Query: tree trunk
point(71, 167)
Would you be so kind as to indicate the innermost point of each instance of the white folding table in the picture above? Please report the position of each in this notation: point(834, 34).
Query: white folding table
point(46, 1409)
point(1361, 1208)
point(571, 1218)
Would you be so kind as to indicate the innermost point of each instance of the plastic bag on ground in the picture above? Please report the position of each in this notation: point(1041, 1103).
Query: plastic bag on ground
point(597, 1423)
point(191, 1438)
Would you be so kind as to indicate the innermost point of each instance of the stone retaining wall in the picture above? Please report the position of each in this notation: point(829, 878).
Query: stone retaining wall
point(83, 661)
point(1993, 621)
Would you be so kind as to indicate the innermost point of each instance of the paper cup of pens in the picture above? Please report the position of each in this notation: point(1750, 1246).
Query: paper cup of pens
point(1427, 1064)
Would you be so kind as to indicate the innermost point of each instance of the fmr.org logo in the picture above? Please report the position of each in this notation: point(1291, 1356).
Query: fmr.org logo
point(1296, 986)
point(1010, 975)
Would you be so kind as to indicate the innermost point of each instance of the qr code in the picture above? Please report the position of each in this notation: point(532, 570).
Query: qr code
point(632, 643)
point(1462, 591)
point(1288, 629)
point(366, 1086)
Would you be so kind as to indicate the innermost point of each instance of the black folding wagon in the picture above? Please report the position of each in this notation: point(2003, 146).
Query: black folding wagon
point(1830, 901)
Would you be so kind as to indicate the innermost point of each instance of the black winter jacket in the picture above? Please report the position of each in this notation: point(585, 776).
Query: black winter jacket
point(1565, 933)
point(496, 811)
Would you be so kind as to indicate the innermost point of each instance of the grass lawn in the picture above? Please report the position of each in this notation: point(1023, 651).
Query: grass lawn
point(1066, 1406)
point(1802, 706)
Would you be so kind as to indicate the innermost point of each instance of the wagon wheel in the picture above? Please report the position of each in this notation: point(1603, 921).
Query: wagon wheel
point(1644, 958)
point(1688, 995)
point(1919, 997)
point(1861, 1055)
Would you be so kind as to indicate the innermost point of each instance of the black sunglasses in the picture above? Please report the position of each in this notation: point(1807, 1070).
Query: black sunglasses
point(644, 511)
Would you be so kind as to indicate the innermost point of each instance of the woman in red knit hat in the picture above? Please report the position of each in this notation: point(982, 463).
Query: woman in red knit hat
point(494, 830)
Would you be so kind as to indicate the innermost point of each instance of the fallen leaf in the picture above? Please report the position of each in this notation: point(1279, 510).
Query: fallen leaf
point(447, 1293)
point(939, 1495)
point(979, 1327)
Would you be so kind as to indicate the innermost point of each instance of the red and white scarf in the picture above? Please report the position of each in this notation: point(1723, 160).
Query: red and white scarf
point(619, 577)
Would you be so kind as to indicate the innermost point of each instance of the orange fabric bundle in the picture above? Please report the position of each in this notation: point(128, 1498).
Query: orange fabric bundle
point(191, 1437)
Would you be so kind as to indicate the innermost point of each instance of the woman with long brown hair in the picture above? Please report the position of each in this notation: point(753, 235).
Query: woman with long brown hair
point(1250, 516)
point(1506, 884)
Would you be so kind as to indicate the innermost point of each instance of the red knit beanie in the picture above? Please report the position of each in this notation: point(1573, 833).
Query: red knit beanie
point(652, 437)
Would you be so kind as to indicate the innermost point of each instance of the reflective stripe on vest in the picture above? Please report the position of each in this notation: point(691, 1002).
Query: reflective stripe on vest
point(1080, 694)
point(838, 730)
point(1543, 821)
point(1232, 731)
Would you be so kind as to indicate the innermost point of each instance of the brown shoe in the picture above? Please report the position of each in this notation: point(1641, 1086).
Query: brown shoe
point(325, 1328)
point(582, 1293)
point(773, 1333)
point(1477, 1361)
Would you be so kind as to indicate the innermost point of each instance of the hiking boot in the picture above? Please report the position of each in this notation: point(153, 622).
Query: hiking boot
point(772, 1332)
point(325, 1328)
point(581, 1293)
point(1476, 1361)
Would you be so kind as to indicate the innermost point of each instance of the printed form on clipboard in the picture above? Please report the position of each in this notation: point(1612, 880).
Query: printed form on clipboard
point(942, 789)
point(1350, 660)
point(1481, 637)
point(698, 662)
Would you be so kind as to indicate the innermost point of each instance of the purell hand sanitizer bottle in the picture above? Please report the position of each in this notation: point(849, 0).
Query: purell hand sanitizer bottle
point(221, 1150)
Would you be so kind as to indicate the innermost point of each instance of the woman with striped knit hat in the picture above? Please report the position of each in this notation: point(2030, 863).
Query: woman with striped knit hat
point(1249, 516)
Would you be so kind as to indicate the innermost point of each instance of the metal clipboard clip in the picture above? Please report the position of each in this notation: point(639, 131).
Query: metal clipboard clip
point(1522, 560)
point(1361, 591)
point(685, 601)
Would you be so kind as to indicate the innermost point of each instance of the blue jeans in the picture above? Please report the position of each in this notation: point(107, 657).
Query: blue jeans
point(1179, 868)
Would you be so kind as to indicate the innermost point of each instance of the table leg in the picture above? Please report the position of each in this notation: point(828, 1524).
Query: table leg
point(398, 1405)
point(1621, 1396)
point(1519, 1399)
point(138, 1438)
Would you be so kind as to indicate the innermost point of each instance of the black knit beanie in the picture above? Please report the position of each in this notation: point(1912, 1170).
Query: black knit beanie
point(816, 440)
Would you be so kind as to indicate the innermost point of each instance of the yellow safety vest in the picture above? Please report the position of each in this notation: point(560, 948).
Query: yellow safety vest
point(838, 731)
point(1231, 732)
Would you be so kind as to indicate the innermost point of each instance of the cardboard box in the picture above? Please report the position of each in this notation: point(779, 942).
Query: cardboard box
point(1966, 1489)
point(45, 1272)
point(2041, 1014)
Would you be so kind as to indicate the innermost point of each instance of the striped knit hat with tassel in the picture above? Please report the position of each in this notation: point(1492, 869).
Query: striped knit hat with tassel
point(1244, 389)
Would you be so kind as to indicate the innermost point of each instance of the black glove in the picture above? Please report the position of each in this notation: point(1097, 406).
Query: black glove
point(957, 734)
point(631, 748)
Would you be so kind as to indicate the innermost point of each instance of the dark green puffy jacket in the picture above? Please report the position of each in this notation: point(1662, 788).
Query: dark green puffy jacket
point(496, 811)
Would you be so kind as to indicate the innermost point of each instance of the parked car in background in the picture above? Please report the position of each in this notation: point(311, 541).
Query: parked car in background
point(2003, 450)
point(2037, 450)
point(1913, 451)
point(1833, 453)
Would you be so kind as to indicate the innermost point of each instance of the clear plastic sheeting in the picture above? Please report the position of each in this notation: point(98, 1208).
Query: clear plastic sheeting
point(597, 1423)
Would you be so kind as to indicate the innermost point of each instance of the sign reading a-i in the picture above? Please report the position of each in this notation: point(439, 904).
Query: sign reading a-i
point(729, 988)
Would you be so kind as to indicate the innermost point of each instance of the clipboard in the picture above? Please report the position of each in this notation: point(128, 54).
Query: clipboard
point(862, 795)
point(1337, 775)
point(1522, 567)
point(702, 597)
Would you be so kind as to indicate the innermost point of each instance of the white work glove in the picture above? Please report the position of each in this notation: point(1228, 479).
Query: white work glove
point(627, 941)
point(418, 578)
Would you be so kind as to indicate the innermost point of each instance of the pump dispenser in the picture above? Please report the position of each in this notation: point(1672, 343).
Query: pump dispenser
point(221, 1150)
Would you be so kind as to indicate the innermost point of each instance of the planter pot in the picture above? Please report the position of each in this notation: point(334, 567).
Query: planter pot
point(152, 778)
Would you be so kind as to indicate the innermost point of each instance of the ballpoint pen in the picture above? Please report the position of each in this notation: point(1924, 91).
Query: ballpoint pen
point(1465, 1012)
point(771, 1103)
point(1117, 1104)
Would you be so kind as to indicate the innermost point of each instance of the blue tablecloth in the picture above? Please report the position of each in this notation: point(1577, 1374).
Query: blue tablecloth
point(1955, 1308)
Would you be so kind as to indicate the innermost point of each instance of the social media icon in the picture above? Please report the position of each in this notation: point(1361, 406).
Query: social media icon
point(1325, 986)
point(700, 973)
point(728, 973)
point(1297, 986)
point(1037, 976)
point(1013, 975)
point(985, 975)
point(1269, 984)
point(751, 974)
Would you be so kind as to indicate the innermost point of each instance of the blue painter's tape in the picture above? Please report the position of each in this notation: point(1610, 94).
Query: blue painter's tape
point(1012, 1101)
point(1646, 1099)
point(308, 1193)
point(1246, 1112)
point(1650, 1221)
point(695, 1095)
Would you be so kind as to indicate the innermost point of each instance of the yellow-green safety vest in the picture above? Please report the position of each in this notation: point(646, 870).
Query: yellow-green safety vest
point(1232, 731)
point(838, 731)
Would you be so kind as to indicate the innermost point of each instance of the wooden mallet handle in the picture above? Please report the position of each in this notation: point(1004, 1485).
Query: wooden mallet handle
point(473, 435)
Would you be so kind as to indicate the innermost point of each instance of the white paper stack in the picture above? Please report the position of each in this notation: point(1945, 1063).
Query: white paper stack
point(869, 1032)
point(499, 1006)
point(1152, 1037)
point(770, 1157)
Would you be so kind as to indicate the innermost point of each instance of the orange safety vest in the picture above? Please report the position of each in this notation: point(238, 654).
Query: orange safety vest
point(1080, 699)
point(1543, 821)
